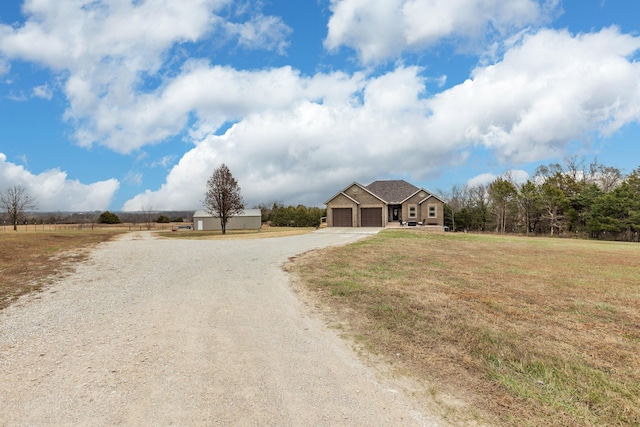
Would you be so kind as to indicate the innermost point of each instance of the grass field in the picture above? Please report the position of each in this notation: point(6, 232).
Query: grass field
point(525, 331)
point(29, 259)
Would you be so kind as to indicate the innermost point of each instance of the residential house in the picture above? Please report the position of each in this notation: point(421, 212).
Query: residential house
point(382, 203)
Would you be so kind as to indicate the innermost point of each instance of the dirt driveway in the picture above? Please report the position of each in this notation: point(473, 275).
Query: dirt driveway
point(177, 332)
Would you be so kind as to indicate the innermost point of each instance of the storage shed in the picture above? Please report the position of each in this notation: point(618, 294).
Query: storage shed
point(250, 219)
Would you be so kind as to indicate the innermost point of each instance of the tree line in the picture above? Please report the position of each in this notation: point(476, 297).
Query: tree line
point(279, 215)
point(569, 199)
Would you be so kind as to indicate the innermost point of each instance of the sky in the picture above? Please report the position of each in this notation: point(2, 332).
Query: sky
point(130, 105)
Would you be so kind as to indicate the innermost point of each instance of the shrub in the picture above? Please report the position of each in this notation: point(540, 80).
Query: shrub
point(163, 219)
point(107, 217)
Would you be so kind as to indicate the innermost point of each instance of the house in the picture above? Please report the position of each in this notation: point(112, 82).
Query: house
point(383, 202)
point(250, 219)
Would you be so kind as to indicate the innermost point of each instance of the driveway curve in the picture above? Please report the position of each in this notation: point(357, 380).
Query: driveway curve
point(183, 332)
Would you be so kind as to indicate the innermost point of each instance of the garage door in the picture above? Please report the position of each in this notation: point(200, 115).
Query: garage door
point(342, 217)
point(371, 217)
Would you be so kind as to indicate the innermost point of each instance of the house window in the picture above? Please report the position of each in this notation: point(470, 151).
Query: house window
point(412, 211)
point(432, 211)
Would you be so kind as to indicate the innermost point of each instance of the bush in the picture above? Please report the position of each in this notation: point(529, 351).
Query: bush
point(299, 216)
point(107, 217)
point(163, 219)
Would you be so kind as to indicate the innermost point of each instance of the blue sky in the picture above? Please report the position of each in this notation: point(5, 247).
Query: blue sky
point(131, 104)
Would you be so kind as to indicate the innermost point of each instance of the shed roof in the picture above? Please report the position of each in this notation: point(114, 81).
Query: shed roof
point(201, 213)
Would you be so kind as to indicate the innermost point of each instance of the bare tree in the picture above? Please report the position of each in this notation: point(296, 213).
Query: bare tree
point(502, 195)
point(222, 198)
point(146, 214)
point(456, 200)
point(608, 178)
point(15, 201)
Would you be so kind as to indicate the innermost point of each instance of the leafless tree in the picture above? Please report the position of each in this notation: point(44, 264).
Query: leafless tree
point(222, 198)
point(15, 201)
point(456, 198)
point(146, 213)
point(608, 178)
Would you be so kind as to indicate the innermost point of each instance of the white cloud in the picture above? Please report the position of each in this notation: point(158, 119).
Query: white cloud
point(43, 91)
point(298, 153)
point(104, 49)
point(164, 162)
point(17, 96)
point(298, 137)
point(261, 32)
point(5, 66)
point(134, 178)
point(515, 176)
point(54, 192)
point(548, 90)
point(382, 29)
point(214, 95)
point(482, 179)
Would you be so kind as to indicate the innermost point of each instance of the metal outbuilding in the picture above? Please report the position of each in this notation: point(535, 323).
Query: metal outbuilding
point(250, 219)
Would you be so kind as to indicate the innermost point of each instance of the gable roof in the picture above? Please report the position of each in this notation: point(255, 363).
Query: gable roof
point(344, 193)
point(390, 192)
point(393, 192)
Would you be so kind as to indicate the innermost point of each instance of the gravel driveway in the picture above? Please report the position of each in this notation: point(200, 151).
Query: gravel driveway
point(181, 332)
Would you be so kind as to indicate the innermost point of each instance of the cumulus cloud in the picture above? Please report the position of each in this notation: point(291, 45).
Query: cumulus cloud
point(213, 95)
point(105, 49)
point(297, 153)
point(482, 179)
point(382, 29)
point(54, 192)
point(294, 136)
point(548, 90)
point(516, 176)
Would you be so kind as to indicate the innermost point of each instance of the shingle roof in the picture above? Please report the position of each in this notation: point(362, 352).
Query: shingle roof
point(394, 191)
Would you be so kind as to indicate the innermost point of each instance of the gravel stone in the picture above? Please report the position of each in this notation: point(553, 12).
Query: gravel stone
point(188, 332)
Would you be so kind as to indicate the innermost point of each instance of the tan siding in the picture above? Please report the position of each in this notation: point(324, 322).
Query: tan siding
point(363, 197)
point(341, 201)
point(439, 219)
point(358, 198)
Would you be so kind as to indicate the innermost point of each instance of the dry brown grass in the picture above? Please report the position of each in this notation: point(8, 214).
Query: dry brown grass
point(30, 260)
point(526, 331)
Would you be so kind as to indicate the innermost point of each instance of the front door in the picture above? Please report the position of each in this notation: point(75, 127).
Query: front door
point(395, 213)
